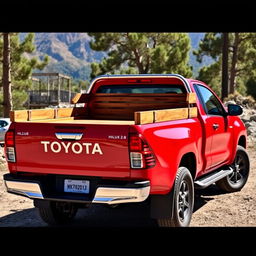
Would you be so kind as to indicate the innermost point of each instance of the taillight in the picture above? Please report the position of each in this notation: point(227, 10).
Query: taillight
point(9, 146)
point(141, 156)
point(135, 143)
point(9, 139)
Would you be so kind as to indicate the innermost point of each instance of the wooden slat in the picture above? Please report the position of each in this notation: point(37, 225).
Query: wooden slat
point(109, 110)
point(76, 98)
point(80, 98)
point(171, 114)
point(191, 97)
point(138, 105)
point(154, 116)
point(126, 97)
point(64, 112)
point(44, 114)
point(145, 117)
point(71, 112)
point(19, 115)
point(41, 114)
point(137, 99)
point(150, 95)
point(192, 112)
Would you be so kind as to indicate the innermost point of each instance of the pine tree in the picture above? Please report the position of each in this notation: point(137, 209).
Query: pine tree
point(242, 59)
point(7, 101)
point(21, 67)
point(142, 53)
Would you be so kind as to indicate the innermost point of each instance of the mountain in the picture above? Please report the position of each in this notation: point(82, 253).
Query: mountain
point(70, 53)
point(195, 39)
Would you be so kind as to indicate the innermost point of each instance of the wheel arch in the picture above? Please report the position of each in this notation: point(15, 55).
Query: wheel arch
point(189, 160)
point(160, 204)
point(242, 141)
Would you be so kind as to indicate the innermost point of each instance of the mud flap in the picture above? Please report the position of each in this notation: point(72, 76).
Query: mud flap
point(161, 206)
point(41, 203)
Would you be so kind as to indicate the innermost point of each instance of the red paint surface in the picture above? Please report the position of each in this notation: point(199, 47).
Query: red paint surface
point(169, 141)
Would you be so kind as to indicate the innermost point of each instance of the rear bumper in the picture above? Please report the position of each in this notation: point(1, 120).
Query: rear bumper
point(109, 194)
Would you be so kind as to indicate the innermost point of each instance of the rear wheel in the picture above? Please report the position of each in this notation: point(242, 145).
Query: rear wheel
point(238, 178)
point(57, 213)
point(183, 200)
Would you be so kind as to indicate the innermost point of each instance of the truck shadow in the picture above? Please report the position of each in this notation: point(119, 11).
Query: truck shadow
point(136, 215)
point(203, 196)
point(96, 216)
point(99, 216)
point(23, 218)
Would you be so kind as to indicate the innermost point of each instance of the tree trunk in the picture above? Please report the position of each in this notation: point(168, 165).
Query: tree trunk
point(138, 61)
point(233, 64)
point(7, 103)
point(225, 45)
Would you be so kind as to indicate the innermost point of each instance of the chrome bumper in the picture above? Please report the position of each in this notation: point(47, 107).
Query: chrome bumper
point(138, 192)
point(108, 195)
point(29, 189)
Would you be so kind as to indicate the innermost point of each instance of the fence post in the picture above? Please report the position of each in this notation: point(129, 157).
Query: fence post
point(58, 90)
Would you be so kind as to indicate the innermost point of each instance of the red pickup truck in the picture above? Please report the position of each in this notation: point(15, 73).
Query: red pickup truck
point(135, 138)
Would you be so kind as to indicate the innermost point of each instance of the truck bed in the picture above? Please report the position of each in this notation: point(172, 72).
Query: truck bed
point(99, 146)
point(116, 109)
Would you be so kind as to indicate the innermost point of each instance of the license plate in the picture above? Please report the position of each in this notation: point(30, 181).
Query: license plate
point(77, 186)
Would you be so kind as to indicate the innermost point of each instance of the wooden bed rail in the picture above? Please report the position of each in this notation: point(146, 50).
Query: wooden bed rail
point(155, 116)
point(43, 114)
point(143, 108)
point(83, 97)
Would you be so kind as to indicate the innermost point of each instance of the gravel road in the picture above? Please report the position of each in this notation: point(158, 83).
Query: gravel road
point(212, 208)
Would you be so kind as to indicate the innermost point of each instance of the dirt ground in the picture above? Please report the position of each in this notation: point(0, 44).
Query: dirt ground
point(212, 208)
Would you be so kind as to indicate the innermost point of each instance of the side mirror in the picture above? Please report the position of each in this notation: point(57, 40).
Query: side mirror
point(234, 110)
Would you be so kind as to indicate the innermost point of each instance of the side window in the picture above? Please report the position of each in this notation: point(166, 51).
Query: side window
point(211, 103)
point(3, 123)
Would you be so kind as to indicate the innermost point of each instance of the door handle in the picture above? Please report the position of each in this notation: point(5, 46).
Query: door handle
point(215, 126)
point(68, 136)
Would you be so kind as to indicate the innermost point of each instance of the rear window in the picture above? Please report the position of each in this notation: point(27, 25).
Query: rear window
point(142, 88)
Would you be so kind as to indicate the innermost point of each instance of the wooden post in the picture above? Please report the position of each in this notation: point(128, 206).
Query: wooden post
point(58, 89)
point(48, 90)
point(69, 90)
point(40, 94)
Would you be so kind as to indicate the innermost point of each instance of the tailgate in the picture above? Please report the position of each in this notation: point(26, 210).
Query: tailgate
point(74, 149)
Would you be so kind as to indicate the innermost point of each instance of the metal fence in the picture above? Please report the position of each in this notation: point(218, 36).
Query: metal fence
point(49, 97)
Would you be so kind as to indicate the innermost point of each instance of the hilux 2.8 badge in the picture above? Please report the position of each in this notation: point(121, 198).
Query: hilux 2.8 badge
point(76, 148)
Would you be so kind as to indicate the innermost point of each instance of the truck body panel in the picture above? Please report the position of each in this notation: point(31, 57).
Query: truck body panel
point(102, 150)
point(104, 147)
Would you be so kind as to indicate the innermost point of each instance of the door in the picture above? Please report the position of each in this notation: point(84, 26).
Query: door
point(218, 136)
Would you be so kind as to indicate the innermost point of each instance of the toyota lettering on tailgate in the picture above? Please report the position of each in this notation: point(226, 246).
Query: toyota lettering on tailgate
point(76, 148)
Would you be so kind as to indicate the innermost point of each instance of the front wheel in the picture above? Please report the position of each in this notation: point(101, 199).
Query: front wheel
point(183, 200)
point(238, 178)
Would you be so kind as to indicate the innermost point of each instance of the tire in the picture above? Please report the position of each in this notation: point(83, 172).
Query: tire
point(183, 200)
point(238, 178)
point(57, 213)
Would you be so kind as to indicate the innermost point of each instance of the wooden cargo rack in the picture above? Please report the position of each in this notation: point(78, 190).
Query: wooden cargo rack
point(140, 108)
